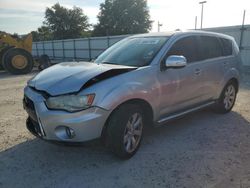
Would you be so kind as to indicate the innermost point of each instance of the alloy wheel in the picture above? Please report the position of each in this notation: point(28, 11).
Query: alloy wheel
point(229, 97)
point(133, 132)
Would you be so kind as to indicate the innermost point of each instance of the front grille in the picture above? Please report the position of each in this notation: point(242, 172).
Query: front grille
point(32, 121)
point(28, 103)
point(34, 127)
point(30, 108)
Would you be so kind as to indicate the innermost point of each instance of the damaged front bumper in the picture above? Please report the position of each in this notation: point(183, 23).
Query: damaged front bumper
point(60, 125)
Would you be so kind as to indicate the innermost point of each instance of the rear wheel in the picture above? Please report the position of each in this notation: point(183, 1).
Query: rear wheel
point(17, 61)
point(124, 131)
point(227, 99)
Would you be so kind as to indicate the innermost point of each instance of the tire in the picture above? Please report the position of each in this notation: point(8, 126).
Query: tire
point(227, 98)
point(119, 135)
point(44, 62)
point(2, 53)
point(18, 61)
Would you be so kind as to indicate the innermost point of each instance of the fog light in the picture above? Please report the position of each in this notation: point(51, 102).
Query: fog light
point(64, 133)
point(70, 132)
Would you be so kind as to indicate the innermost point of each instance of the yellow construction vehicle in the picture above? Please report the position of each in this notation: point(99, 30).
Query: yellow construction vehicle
point(15, 54)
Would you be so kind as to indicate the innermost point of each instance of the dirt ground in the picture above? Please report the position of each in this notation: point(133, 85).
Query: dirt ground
point(200, 150)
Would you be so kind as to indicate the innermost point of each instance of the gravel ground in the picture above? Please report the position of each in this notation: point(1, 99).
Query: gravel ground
point(202, 149)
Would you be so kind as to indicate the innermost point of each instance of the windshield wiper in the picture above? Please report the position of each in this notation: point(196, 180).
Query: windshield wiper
point(107, 62)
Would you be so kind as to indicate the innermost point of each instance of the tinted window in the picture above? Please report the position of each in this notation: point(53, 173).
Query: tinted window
point(187, 47)
point(210, 47)
point(227, 46)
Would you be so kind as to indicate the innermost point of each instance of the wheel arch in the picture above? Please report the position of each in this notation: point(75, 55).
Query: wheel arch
point(146, 107)
point(236, 82)
point(232, 74)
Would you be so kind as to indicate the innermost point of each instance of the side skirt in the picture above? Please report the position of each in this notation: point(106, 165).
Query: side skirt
point(182, 113)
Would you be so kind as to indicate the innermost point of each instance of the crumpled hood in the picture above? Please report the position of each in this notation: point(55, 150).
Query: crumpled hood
point(70, 77)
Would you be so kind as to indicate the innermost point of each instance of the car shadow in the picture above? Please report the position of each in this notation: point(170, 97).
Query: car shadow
point(184, 151)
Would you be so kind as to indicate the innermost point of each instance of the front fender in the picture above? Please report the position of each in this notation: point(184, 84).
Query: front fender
point(127, 92)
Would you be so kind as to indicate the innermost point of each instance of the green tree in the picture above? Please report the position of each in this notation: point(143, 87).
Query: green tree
point(118, 17)
point(43, 33)
point(35, 36)
point(66, 23)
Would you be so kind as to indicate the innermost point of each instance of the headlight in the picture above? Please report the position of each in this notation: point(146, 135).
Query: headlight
point(70, 103)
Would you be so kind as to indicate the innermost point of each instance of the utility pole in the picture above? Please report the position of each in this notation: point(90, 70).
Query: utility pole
point(195, 24)
point(159, 26)
point(244, 16)
point(202, 4)
point(242, 29)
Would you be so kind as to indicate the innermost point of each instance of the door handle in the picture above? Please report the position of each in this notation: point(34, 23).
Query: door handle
point(197, 71)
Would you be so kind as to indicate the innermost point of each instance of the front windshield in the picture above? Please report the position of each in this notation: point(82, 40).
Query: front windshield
point(137, 51)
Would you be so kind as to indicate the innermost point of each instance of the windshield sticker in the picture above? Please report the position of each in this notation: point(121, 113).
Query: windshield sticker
point(149, 41)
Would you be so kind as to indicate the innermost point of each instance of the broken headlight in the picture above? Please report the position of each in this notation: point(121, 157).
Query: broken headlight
point(71, 103)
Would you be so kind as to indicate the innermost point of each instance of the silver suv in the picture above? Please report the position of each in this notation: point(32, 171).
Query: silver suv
point(142, 80)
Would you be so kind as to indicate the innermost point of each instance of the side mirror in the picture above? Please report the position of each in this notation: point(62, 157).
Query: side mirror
point(175, 61)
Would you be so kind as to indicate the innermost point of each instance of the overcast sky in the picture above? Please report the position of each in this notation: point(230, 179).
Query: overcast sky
point(23, 16)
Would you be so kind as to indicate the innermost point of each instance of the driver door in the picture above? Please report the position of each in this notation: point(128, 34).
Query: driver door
point(182, 83)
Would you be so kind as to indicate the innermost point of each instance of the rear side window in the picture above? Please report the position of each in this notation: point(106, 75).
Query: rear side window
point(186, 47)
point(227, 46)
point(210, 47)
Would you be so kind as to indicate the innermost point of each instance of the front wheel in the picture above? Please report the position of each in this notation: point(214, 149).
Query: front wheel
point(124, 131)
point(227, 99)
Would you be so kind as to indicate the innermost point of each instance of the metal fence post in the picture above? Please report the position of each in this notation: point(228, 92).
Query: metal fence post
point(63, 49)
point(37, 51)
point(53, 49)
point(89, 45)
point(74, 45)
point(108, 41)
point(43, 48)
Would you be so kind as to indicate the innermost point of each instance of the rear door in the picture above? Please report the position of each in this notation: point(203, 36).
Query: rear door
point(213, 65)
